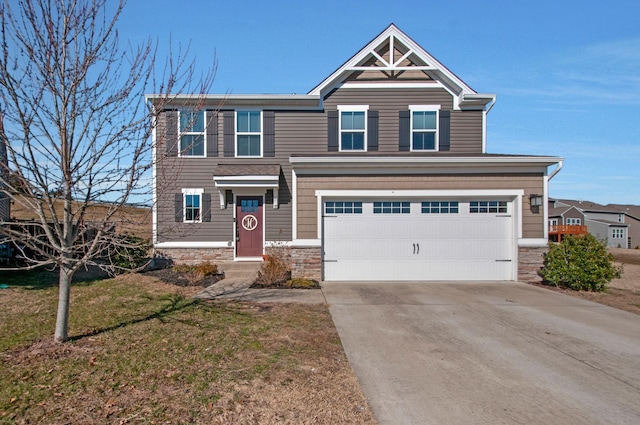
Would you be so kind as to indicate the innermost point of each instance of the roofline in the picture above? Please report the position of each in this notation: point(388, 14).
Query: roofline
point(248, 100)
point(392, 29)
point(510, 160)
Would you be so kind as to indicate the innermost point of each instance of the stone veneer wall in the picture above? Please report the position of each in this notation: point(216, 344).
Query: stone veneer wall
point(306, 262)
point(530, 261)
point(195, 255)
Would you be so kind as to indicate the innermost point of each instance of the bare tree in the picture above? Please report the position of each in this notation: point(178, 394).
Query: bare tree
point(76, 127)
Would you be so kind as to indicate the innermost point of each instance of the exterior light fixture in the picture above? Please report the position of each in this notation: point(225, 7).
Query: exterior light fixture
point(535, 200)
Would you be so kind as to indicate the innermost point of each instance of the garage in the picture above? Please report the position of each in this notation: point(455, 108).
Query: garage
point(418, 239)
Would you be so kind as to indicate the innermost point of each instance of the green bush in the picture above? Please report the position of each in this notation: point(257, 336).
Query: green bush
point(581, 263)
point(129, 252)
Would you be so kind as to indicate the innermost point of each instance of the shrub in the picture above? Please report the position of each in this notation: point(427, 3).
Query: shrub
point(130, 252)
point(581, 263)
point(274, 269)
point(196, 273)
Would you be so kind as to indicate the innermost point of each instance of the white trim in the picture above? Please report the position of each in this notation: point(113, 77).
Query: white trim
point(236, 133)
point(398, 85)
point(527, 160)
point(302, 243)
point(193, 133)
point(246, 178)
point(435, 131)
point(248, 193)
point(294, 204)
point(154, 173)
point(183, 244)
point(419, 193)
point(353, 108)
point(545, 205)
point(484, 131)
point(185, 193)
point(532, 242)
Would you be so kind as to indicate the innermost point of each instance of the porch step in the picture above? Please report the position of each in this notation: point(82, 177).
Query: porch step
point(239, 269)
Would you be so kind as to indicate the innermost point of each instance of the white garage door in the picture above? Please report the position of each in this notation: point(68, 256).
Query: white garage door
point(418, 240)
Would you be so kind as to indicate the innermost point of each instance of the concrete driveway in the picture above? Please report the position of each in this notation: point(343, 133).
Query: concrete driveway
point(488, 353)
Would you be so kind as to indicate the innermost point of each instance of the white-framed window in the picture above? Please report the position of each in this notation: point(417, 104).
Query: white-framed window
point(440, 207)
point(192, 205)
point(343, 207)
point(249, 133)
point(424, 127)
point(573, 221)
point(617, 233)
point(192, 133)
point(392, 207)
point(353, 127)
point(487, 207)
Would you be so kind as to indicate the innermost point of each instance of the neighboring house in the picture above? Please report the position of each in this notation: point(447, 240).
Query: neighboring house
point(603, 222)
point(565, 220)
point(632, 218)
point(380, 172)
point(5, 201)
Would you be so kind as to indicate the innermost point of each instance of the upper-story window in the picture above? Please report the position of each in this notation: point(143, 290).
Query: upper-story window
point(424, 127)
point(353, 127)
point(573, 221)
point(192, 133)
point(249, 133)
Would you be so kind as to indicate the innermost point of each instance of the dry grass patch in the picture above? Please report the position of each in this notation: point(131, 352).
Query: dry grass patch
point(142, 352)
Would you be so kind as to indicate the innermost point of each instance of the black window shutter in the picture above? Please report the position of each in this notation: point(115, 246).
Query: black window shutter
point(332, 131)
point(171, 133)
point(269, 132)
point(372, 131)
point(444, 137)
point(229, 133)
point(178, 207)
point(212, 133)
point(405, 131)
point(206, 207)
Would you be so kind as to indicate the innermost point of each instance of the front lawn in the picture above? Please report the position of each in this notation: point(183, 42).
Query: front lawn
point(142, 352)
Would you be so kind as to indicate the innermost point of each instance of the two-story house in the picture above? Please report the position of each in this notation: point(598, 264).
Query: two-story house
point(607, 223)
point(379, 172)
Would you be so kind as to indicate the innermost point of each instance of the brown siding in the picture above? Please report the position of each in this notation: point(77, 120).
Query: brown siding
point(466, 126)
point(174, 174)
point(532, 226)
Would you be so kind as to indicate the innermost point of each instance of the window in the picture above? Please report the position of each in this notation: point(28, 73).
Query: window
point(343, 207)
point(617, 233)
point(573, 221)
point(192, 201)
point(353, 128)
point(248, 133)
point(191, 133)
point(424, 127)
point(440, 207)
point(487, 207)
point(392, 207)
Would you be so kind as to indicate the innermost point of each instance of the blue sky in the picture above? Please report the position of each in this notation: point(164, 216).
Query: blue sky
point(566, 73)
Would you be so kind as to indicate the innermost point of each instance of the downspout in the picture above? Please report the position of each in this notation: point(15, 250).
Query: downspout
point(546, 197)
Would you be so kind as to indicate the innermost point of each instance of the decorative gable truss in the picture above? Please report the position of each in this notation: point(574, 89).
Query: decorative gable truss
point(395, 58)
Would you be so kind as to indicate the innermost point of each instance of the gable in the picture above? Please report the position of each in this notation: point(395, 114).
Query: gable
point(394, 58)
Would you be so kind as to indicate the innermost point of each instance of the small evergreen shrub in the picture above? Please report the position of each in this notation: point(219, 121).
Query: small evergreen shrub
point(581, 263)
point(129, 252)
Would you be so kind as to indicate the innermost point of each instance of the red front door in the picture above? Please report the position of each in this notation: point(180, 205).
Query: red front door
point(249, 226)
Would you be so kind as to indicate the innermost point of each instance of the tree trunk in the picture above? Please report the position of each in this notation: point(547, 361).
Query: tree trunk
point(64, 290)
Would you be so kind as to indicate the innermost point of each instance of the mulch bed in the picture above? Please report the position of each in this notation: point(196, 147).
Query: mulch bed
point(180, 279)
point(285, 285)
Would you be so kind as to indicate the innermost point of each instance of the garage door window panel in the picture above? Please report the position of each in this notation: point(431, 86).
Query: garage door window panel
point(392, 207)
point(343, 207)
point(488, 207)
point(440, 207)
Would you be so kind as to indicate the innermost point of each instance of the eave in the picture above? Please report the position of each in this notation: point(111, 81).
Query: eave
point(222, 101)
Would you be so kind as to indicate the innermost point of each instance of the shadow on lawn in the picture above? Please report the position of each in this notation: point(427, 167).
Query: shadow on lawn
point(175, 303)
point(44, 278)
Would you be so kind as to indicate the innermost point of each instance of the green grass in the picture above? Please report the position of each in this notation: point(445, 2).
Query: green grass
point(144, 353)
